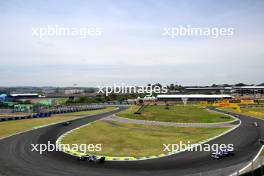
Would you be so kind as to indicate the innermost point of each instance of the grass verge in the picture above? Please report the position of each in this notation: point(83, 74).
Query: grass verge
point(180, 114)
point(11, 127)
point(126, 139)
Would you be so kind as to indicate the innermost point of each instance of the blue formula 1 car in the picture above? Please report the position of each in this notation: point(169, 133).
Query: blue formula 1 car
point(222, 153)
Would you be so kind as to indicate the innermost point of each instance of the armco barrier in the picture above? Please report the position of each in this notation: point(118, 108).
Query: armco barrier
point(2, 119)
point(54, 111)
point(10, 118)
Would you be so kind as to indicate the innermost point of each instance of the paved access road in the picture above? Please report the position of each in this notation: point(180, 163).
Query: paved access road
point(174, 124)
point(17, 159)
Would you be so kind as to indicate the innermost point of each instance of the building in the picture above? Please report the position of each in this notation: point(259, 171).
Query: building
point(25, 96)
point(193, 97)
point(208, 90)
point(74, 91)
point(3, 97)
point(249, 90)
point(234, 90)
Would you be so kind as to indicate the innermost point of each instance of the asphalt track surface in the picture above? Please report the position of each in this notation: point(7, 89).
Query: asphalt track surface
point(17, 159)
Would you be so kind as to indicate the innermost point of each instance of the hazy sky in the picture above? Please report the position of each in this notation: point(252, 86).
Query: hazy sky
point(131, 48)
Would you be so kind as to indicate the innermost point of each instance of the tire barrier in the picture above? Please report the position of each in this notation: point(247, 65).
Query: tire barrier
point(54, 111)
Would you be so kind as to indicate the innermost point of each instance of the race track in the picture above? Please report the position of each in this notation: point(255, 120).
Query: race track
point(17, 159)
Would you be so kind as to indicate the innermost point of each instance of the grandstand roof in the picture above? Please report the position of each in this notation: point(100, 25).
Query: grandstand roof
point(207, 88)
point(195, 96)
point(250, 87)
point(24, 94)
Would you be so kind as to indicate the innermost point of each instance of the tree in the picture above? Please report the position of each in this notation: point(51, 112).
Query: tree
point(171, 87)
point(214, 85)
point(240, 84)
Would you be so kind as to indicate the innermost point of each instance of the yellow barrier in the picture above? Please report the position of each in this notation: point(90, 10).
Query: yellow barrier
point(231, 105)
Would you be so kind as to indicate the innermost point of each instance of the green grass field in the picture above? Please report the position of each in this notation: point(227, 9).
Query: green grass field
point(125, 139)
point(249, 111)
point(181, 114)
point(11, 127)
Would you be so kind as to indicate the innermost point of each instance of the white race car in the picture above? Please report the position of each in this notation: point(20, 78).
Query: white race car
point(227, 152)
point(222, 153)
point(217, 155)
point(92, 158)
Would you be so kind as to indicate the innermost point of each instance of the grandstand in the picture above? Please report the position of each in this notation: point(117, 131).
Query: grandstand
point(249, 90)
point(193, 97)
